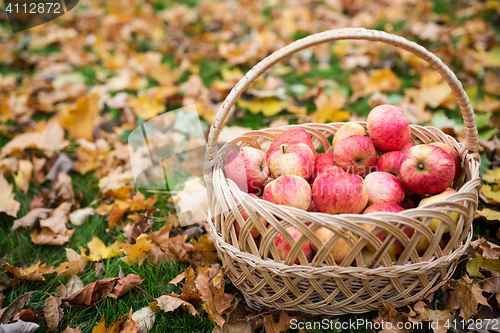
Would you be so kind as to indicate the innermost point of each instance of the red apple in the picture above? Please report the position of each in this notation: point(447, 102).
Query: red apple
point(284, 247)
point(324, 159)
point(289, 190)
point(340, 249)
point(254, 232)
point(380, 207)
point(388, 128)
point(339, 193)
point(383, 207)
point(407, 147)
point(247, 167)
point(312, 208)
point(318, 169)
point(293, 135)
point(390, 162)
point(358, 151)
point(292, 159)
point(453, 154)
point(347, 130)
point(427, 169)
point(384, 187)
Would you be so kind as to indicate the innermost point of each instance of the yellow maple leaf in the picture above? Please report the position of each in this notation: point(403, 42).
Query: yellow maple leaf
point(491, 192)
point(80, 118)
point(269, 106)
point(99, 250)
point(329, 108)
point(383, 80)
point(23, 176)
point(492, 176)
point(146, 107)
point(136, 252)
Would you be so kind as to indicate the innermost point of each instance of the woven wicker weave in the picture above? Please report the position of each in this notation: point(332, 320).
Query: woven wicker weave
point(324, 286)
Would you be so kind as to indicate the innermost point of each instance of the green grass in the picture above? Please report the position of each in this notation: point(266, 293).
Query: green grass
point(18, 251)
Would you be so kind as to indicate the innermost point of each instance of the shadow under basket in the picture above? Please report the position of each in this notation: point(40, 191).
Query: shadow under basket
point(322, 286)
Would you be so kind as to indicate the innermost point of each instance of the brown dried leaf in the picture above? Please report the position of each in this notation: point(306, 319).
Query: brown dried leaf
point(169, 303)
point(29, 219)
point(240, 326)
point(57, 219)
point(440, 318)
point(50, 138)
point(7, 202)
point(75, 264)
point(178, 278)
point(466, 296)
point(211, 291)
point(206, 248)
point(282, 325)
point(123, 286)
point(33, 273)
point(481, 247)
point(74, 284)
point(92, 292)
point(51, 313)
point(15, 307)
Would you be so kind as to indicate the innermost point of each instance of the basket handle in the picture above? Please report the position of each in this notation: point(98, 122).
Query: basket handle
point(472, 141)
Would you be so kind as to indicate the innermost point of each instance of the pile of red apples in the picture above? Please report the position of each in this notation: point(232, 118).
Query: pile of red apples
point(378, 171)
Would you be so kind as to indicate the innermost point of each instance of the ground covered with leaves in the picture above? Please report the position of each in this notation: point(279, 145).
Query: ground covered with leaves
point(84, 249)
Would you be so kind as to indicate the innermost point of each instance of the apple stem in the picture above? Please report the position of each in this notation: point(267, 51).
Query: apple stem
point(349, 168)
point(420, 166)
point(283, 148)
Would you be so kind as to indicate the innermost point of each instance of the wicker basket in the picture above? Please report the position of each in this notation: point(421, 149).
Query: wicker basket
point(323, 286)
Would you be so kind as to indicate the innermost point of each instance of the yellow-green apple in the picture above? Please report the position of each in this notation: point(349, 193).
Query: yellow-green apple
point(407, 146)
point(339, 193)
point(324, 159)
point(390, 162)
point(407, 203)
point(347, 130)
point(247, 167)
point(292, 159)
point(384, 187)
point(423, 245)
point(380, 207)
point(453, 154)
point(356, 151)
point(368, 255)
point(433, 224)
point(254, 232)
point(284, 247)
point(323, 168)
point(289, 190)
point(293, 135)
point(427, 169)
point(340, 249)
point(388, 128)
